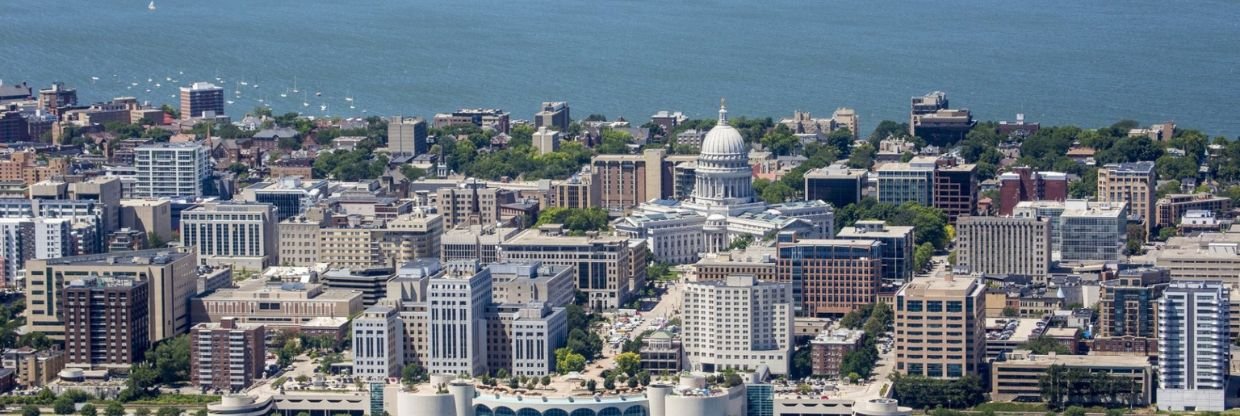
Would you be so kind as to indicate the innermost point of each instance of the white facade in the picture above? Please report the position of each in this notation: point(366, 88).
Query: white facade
point(15, 247)
point(999, 245)
point(738, 323)
point(457, 329)
point(170, 170)
point(241, 235)
point(52, 237)
point(1193, 346)
point(537, 331)
point(378, 343)
point(724, 180)
point(674, 237)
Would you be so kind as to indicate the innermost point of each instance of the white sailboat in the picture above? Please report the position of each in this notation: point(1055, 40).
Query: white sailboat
point(151, 6)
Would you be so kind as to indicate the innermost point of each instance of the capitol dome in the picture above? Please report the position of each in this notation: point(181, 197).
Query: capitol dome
point(724, 139)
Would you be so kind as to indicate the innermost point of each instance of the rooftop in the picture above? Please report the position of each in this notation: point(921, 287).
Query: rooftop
point(1026, 357)
point(128, 258)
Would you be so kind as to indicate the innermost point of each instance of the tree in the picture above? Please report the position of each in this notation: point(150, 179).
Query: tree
point(777, 193)
point(1166, 233)
point(922, 256)
point(566, 360)
point(413, 373)
point(171, 359)
point(1169, 187)
point(31, 410)
point(841, 140)
point(142, 411)
point(545, 381)
point(609, 383)
point(591, 385)
point(1010, 312)
point(114, 409)
point(887, 128)
point(780, 141)
point(63, 405)
point(1045, 345)
point(615, 142)
point(862, 157)
point(88, 410)
point(1074, 411)
point(741, 243)
point(575, 219)
point(36, 340)
point(629, 363)
point(923, 392)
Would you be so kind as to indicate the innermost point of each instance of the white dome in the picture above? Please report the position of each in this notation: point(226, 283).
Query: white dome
point(724, 139)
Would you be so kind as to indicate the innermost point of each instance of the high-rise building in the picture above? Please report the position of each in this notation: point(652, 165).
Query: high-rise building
point(407, 136)
point(738, 323)
point(299, 241)
point(604, 270)
point(837, 184)
point(148, 215)
point(532, 282)
point(523, 337)
point(1022, 183)
point(371, 281)
point(378, 343)
point(106, 321)
point(171, 278)
point(1193, 346)
point(1132, 183)
point(579, 191)
point(926, 346)
point(907, 182)
point(1092, 231)
point(56, 97)
point(829, 277)
point(546, 141)
point(1128, 303)
point(955, 189)
point(201, 99)
point(226, 355)
point(457, 325)
point(932, 119)
point(897, 246)
point(1004, 245)
point(242, 235)
point(472, 202)
point(624, 181)
point(553, 115)
point(170, 170)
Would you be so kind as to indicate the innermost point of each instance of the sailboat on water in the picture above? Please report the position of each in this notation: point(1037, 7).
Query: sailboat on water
point(151, 6)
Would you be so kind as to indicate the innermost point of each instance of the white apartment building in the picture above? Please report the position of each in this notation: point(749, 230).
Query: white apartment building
point(457, 332)
point(242, 235)
point(738, 323)
point(1193, 346)
point(907, 182)
point(170, 170)
point(52, 237)
point(1004, 245)
point(378, 343)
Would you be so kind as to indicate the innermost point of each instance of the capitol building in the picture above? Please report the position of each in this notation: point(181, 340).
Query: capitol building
point(722, 206)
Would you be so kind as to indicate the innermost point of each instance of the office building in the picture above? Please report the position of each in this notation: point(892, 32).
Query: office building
point(955, 189)
point(907, 182)
point(371, 281)
point(353, 247)
point(952, 352)
point(226, 355)
point(1208, 256)
point(290, 195)
point(480, 242)
point(553, 115)
point(1022, 183)
point(170, 170)
point(932, 119)
point(378, 344)
point(407, 136)
point(201, 100)
point(171, 279)
point(1169, 209)
point(457, 325)
point(484, 118)
point(1092, 231)
point(299, 241)
point(738, 323)
point(107, 322)
point(578, 191)
point(152, 217)
point(829, 277)
point(1193, 347)
point(241, 235)
point(837, 184)
point(1004, 245)
point(57, 98)
point(472, 202)
point(13, 127)
point(897, 246)
point(417, 235)
point(604, 270)
point(523, 338)
point(1128, 303)
point(1131, 183)
point(546, 141)
point(532, 282)
point(279, 305)
point(1017, 376)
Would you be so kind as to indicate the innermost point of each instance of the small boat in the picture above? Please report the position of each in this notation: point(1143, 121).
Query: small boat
point(151, 6)
point(157, 85)
point(322, 107)
point(94, 78)
point(318, 93)
point(295, 90)
point(284, 95)
point(230, 102)
point(167, 78)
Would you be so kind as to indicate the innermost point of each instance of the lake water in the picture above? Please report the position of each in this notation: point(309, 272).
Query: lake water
point(1057, 61)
